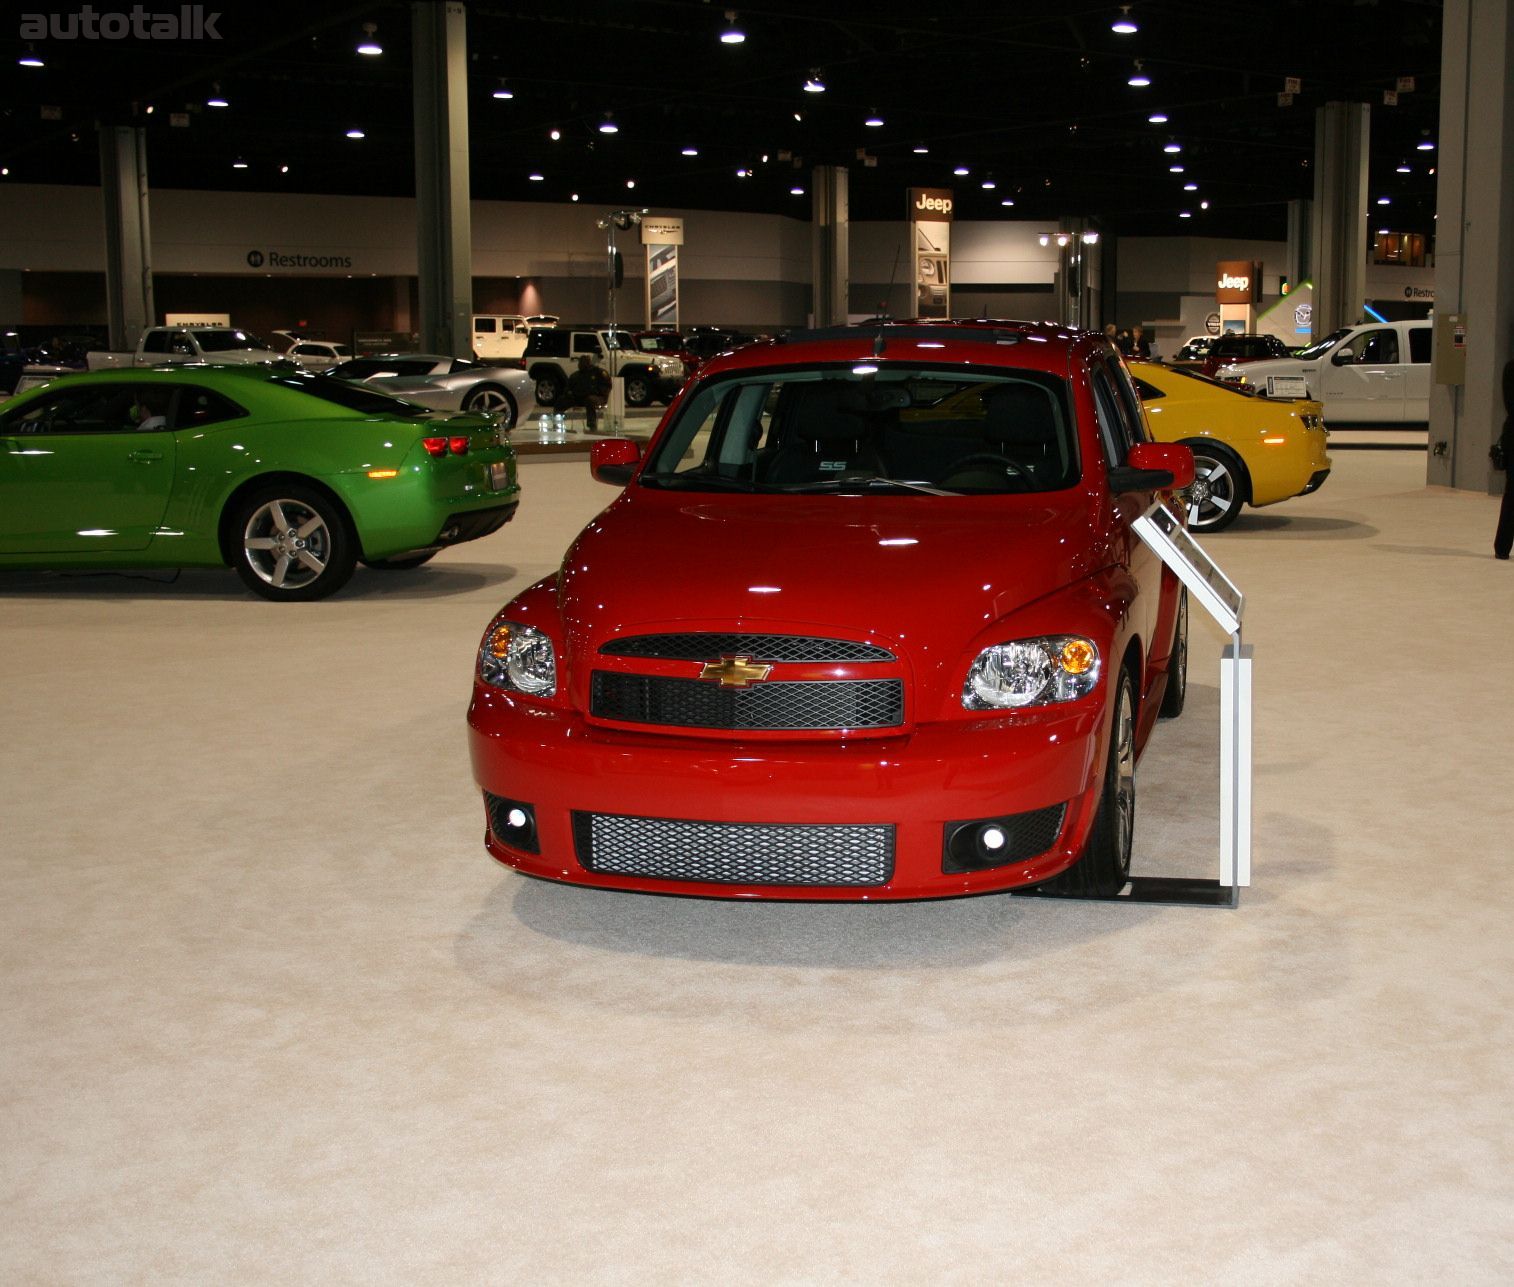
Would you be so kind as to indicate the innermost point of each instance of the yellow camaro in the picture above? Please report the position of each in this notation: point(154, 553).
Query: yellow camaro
point(1246, 450)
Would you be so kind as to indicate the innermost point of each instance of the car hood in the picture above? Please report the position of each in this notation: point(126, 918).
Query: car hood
point(1264, 367)
point(925, 574)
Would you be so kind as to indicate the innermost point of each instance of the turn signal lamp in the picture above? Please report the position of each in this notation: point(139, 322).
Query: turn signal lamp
point(1078, 657)
point(383, 473)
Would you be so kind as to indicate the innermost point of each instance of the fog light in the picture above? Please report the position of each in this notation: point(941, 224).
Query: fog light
point(984, 843)
point(516, 818)
point(992, 838)
point(512, 822)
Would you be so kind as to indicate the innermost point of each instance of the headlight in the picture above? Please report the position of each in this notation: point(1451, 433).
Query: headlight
point(1031, 672)
point(520, 658)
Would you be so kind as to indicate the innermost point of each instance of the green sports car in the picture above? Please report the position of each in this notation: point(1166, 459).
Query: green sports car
point(289, 478)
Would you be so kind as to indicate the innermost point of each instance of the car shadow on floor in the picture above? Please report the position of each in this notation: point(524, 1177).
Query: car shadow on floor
point(1250, 523)
point(430, 582)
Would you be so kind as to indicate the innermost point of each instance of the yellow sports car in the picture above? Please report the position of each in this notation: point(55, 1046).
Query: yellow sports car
point(1246, 450)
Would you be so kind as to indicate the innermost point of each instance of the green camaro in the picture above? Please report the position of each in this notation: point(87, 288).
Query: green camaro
point(289, 478)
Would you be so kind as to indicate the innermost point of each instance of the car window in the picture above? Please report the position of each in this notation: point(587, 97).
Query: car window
point(1419, 344)
point(586, 344)
point(198, 407)
point(181, 344)
point(824, 427)
point(364, 399)
point(484, 325)
point(1114, 429)
point(1130, 402)
point(228, 341)
point(1148, 392)
point(1377, 348)
point(155, 342)
point(545, 342)
point(1320, 347)
point(93, 408)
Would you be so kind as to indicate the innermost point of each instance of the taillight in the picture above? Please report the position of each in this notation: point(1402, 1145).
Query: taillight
point(435, 446)
point(458, 445)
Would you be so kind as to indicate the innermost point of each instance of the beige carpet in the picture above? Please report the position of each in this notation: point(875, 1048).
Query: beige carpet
point(270, 1015)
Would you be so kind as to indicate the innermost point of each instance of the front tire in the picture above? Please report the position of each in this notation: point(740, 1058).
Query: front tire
point(1177, 667)
point(549, 387)
point(1219, 489)
point(638, 391)
point(1104, 867)
point(292, 544)
point(494, 399)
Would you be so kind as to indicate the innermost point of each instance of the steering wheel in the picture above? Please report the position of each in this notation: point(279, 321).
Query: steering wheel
point(986, 460)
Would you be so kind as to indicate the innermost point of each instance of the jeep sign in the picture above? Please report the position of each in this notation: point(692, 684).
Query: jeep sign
point(1237, 281)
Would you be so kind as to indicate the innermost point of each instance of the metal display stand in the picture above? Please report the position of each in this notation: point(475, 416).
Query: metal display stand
point(1212, 590)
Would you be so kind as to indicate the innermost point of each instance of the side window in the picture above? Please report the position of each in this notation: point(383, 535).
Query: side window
point(1113, 431)
point(483, 325)
point(1148, 392)
point(1130, 403)
point(181, 344)
point(1378, 348)
point(92, 408)
point(199, 407)
point(589, 344)
point(1419, 344)
point(155, 342)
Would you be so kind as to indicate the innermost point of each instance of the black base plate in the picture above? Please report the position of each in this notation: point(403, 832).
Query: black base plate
point(1177, 891)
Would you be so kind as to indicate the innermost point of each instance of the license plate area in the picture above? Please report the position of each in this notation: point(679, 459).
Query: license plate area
point(499, 475)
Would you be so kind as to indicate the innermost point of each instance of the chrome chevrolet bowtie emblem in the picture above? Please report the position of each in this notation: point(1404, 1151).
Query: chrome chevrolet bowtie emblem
point(735, 672)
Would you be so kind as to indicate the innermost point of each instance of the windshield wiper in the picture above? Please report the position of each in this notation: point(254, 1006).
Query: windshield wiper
point(866, 484)
point(713, 482)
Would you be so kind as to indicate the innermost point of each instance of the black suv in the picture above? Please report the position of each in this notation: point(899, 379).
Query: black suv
point(1242, 348)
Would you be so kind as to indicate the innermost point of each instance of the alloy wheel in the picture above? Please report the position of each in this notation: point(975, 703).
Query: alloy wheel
point(1214, 497)
point(287, 544)
point(1125, 763)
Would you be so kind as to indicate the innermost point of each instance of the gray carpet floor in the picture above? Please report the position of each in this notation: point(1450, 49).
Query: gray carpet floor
point(269, 1013)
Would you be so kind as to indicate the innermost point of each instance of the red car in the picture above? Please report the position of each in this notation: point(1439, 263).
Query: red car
point(868, 621)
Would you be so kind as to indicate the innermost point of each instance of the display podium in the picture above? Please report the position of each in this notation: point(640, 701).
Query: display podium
point(1216, 594)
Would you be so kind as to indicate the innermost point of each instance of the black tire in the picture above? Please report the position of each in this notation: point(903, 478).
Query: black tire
point(549, 387)
point(1177, 667)
point(400, 565)
point(638, 390)
point(1220, 487)
point(291, 543)
point(494, 398)
point(1104, 867)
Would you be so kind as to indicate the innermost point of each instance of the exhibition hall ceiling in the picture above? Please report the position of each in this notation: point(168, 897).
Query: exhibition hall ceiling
point(1023, 108)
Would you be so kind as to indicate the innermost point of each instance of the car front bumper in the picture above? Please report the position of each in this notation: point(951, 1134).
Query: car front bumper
point(603, 802)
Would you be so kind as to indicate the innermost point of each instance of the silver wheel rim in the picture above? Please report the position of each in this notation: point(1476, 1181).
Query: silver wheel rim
point(490, 400)
point(546, 391)
point(287, 544)
point(1124, 733)
point(636, 391)
point(1180, 659)
point(1212, 496)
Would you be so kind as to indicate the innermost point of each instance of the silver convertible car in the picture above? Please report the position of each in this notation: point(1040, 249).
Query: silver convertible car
point(445, 383)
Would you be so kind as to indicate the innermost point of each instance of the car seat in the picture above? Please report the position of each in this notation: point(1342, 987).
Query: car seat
point(826, 436)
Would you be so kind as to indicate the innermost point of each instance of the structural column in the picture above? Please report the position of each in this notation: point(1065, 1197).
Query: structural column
point(830, 245)
point(1338, 236)
point(1474, 243)
point(128, 234)
point(1299, 264)
point(443, 219)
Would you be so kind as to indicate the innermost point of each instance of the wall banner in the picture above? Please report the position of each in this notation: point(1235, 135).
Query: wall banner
point(662, 235)
point(930, 214)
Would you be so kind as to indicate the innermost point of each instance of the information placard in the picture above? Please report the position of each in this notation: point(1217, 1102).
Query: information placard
point(1287, 386)
point(1215, 592)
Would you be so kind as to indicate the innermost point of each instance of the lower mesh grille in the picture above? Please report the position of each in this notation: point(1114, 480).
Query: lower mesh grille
point(734, 853)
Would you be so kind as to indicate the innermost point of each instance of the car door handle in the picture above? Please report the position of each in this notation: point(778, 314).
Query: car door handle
point(144, 455)
point(10, 446)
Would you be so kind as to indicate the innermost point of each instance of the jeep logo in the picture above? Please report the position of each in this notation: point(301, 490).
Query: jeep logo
point(941, 204)
point(1227, 282)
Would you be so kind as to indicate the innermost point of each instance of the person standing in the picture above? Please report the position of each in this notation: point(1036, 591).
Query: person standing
point(1503, 538)
point(1140, 346)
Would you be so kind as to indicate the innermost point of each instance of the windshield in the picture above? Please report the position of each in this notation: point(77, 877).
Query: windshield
point(1321, 347)
point(354, 397)
point(921, 430)
point(228, 341)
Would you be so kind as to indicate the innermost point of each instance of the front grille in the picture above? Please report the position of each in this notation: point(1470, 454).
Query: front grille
point(734, 853)
point(692, 703)
point(694, 646)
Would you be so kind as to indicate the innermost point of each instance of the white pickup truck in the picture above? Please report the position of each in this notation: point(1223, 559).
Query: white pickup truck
point(1377, 373)
point(160, 344)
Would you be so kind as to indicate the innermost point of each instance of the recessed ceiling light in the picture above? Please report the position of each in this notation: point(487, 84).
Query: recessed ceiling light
point(814, 85)
point(691, 151)
point(1158, 118)
point(554, 135)
point(1008, 201)
point(1203, 205)
point(630, 183)
point(732, 35)
point(1383, 201)
point(1124, 25)
point(1138, 78)
point(503, 92)
point(369, 45)
point(574, 197)
point(743, 174)
point(1403, 169)
point(1174, 169)
point(920, 149)
point(30, 59)
point(796, 192)
point(989, 185)
point(961, 170)
point(798, 116)
point(216, 99)
point(356, 134)
point(873, 121)
point(1426, 146)
point(1172, 147)
point(239, 164)
point(283, 169)
point(1382, 232)
point(537, 178)
point(1185, 214)
point(608, 126)
point(1190, 187)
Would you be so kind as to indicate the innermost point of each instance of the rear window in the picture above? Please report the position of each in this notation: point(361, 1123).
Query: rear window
point(227, 341)
point(544, 342)
point(902, 428)
point(353, 397)
point(1419, 344)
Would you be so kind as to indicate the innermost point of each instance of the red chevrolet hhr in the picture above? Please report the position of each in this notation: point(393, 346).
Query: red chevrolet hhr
point(868, 621)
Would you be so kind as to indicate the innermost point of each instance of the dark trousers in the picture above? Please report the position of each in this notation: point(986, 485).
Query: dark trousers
point(1503, 539)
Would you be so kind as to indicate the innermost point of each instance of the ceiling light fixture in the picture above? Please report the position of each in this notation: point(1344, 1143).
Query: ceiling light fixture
point(1185, 214)
point(574, 197)
point(796, 192)
point(1174, 169)
point(1203, 205)
point(217, 99)
point(1384, 201)
point(1124, 25)
point(1158, 118)
point(989, 185)
point(814, 85)
point(369, 46)
point(555, 135)
point(503, 92)
point(239, 164)
point(732, 35)
point(30, 59)
point(1190, 187)
point(920, 149)
point(873, 121)
point(356, 134)
point(1138, 78)
point(283, 169)
point(608, 126)
point(536, 178)
point(1172, 147)
point(1008, 201)
point(691, 151)
point(630, 183)
point(1425, 146)
point(743, 174)
point(961, 170)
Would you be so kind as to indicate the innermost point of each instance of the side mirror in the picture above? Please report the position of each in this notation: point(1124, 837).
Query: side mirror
point(614, 460)
point(1153, 466)
point(1343, 357)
